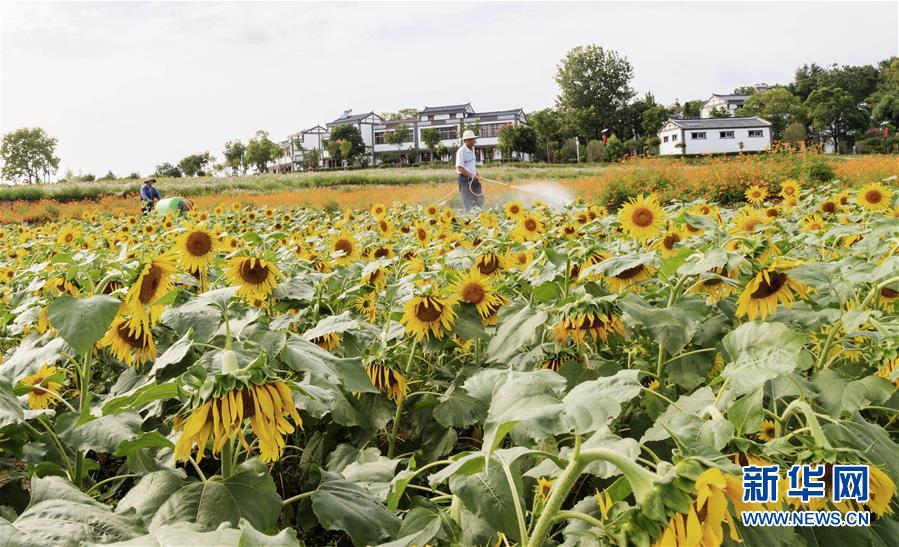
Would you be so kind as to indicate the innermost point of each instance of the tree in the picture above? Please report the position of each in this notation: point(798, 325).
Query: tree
point(108, 176)
point(345, 148)
point(505, 141)
point(401, 114)
point(654, 118)
point(795, 132)
point(167, 170)
point(692, 109)
point(596, 83)
point(596, 151)
point(719, 112)
point(261, 151)
point(887, 109)
point(524, 140)
point(778, 106)
point(805, 80)
point(431, 138)
point(346, 132)
point(28, 153)
point(547, 124)
point(134, 175)
point(397, 136)
point(195, 164)
point(834, 112)
point(311, 159)
point(745, 90)
point(235, 153)
point(615, 149)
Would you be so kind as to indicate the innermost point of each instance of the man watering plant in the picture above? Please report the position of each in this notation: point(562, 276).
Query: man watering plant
point(468, 178)
point(177, 206)
point(149, 195)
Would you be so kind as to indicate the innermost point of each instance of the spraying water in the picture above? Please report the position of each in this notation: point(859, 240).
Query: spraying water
point(554, 195)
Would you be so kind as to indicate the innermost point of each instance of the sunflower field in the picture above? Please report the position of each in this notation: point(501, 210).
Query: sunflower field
point(411, 376)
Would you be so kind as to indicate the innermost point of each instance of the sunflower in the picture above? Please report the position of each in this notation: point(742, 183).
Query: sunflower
point(367, 306)
point(514, 209)
point(887, 369)
point(385, 227)
point(328, 342)
point(762, 293)
point(529, 228)
point(388, 380)
point(578, 271)
point(790, 190)
point(421, 234)
point(629, 277)
point(882, 490)
point(432, 210)
point(67, 235)
point(197, 247)
point(376, 278)
point(427, 315)
point(597, 323)
point(874, 197)
point(378, 210)
point(130, 341)
point(668, 244)
point(344, 249)
point(488, 219)
point(767, 431)
point(748, 219)
point(812, 223)
point(489, 264)
point(829, 206)
point(543, 488)
point(888, 296)
point(714, 286)
point(267, 406)
point(153, 282)
point(477, 289)
point(255, 277)
point(756, 194)
point(44, 385)
point(642, 217)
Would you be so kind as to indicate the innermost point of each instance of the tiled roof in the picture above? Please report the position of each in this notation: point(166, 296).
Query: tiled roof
point(720, 123)
point(352, 118)
point(496, 113)
point(445, 109)
point(731, 97)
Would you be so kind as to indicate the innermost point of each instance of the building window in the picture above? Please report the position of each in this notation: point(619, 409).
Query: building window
point(673, 138)
point(756, 133)
point(726, 134)
point(453, 116)
point(447, 133)
point(379, 137)
point(665, 138)
point(431, 118)
point(491, 130)
point(698, 135)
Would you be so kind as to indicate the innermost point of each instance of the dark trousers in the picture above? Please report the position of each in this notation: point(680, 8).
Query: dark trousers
point(472, 194)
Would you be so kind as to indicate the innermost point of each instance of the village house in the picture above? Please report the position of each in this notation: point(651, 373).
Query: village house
point(686, 137)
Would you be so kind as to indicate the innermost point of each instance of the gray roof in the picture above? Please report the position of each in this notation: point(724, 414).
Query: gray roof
point(445, 109)
point(731, 97)
point(352, 118)
point(720, 123)
point(496, 113)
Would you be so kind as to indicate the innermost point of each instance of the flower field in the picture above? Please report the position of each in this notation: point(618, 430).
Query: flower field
point(585, 375)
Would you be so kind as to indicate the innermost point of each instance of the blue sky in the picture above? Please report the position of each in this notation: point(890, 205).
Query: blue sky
point(125, 86)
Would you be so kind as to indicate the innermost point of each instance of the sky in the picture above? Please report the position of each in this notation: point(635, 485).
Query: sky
point(125, 86)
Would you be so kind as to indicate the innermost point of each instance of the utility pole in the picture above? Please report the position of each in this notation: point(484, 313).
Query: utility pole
point(577, 148)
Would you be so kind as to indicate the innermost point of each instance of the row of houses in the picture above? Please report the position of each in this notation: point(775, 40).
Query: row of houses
point(448, 120)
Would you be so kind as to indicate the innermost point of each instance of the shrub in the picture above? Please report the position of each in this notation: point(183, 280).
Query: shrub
point(820, 172)
point(615, 149)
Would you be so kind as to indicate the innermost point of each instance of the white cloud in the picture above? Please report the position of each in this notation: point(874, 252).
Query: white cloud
point(125, 86)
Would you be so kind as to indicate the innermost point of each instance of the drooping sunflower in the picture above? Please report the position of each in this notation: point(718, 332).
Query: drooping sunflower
point(629, 277)
point(543, 488)
point(255, 277)
point(388, 380)
point(530, 227)
point(670, 242)
point(268, 407)
point(597, 323)
point(130, 341)
point(344, 249)
point(887, 370)
point(44, 384)
point(489, 264)
point(874, 197)
point(763, 292)
point(642, 217)
point(887, 297)
point(328, 341)
point(153, 282)
point(714, 286)
point(756, 194)
point(197, 247)
point(478, 290)
point(428, 315)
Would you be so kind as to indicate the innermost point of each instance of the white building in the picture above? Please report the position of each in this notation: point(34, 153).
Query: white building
point(365, 123)
point(728, 103)
point(303, 142)
point(449, 121)
point(714, 136)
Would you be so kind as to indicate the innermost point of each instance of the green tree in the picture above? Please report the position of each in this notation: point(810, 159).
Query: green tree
point(805, 80)
point(401, 114)
point(195, 164)
point(346, 132)
point(778, 106)
point(596, 151)
point(615, 149)
point(167, 170)
point(745, 90)
point(261, 151)
point(506, 141)
point(345, 147)
point(654, 118)
point(108, 176)
point(595, 83)
point(311, 159)
point(397, 136)
point(547, 124)
point(887, 109)
point(431, 139)
point(524, 140)
point(795, 132)
point(28, 153)
point(692, 109)
point(834, 112)
point(235, 156)
point(719, 112)
point(134, 175)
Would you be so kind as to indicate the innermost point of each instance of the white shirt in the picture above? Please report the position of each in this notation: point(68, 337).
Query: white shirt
point(465, 158)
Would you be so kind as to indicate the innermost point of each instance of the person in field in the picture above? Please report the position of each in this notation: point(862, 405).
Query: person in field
point(177, 205)
point(467, 173)
point(149, 196)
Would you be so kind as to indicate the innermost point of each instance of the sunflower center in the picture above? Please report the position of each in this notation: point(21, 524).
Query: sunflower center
point(630, 272)
point(670, 241)
point(771, 212)
point(514, 210)
point(768, 288)
point(473, 293)
point(383, 225)
point(428, 311)
point(488, 264)
point(381, 252)
point(254, 273)
point(642, 217)
point(888, 292)
point(343, 245)
point(69, 237)
point(873, 196)
point(199, 243)
point(829, 207)
point(789, 190)
point(150, 283)
point(422, 235)
point(712, 282)
point(133, 339)
point(530, 225)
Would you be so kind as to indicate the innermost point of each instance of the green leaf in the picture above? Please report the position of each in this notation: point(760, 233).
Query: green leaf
point(871, 440)
point(514, 333)
point(248, 494)
point(174, 354)
point(342, 505)
point(747, 413)
point(142, 396)
point(153, 489)
point(81, 322)
point(759, 352)
point(138, 451)
point(842, 397)
point(591, 405)
point(671, 328)
point(458, 409)
point(305, 356)
point(298, 287)
point(489, 496)
point(60, 515)
point(101, 434)
point(683, 418)
point(10, 409)
point(468, 325)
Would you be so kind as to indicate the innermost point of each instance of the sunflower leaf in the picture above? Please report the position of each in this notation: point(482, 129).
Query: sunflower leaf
point(760, 351)
point(82, 321)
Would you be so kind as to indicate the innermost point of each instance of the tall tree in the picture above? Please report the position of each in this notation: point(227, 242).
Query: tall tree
point(401, 114)
point(234, 153)
point(350, 133)
point(195, 164)
point(261, 151)
point(778, 106)
point(525, 141)
point(431, 138)
point(548, 125)
point(167, 170)
point(28, 153)
point(595, 83)
point(654, 118)
point(835, 113)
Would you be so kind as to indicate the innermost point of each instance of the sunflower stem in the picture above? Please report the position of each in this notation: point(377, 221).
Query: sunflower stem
point(394, 430)
point(519, 511)
point(577, 515)
point(811, 421)
point(298, 497)
point(227, 458)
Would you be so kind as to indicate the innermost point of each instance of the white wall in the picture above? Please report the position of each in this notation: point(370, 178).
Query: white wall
point(669, 148)
point(714, 144)
point(717, 102)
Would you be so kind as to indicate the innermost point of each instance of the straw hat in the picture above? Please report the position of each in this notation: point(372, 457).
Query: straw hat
point(469, 134)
